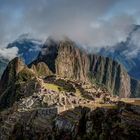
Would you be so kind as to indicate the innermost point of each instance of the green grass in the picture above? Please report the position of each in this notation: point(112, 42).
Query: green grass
point(53, 87)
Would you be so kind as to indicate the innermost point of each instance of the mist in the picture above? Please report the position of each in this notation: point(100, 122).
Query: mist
point(92, 23)
point(9, 53)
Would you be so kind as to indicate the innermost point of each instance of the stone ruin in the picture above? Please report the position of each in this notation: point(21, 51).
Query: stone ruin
point(47, 112)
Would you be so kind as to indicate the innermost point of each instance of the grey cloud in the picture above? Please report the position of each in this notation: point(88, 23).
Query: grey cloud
point(47, 17)
point(8, 53)
point(80, 20)
point(134, 45)
point(109, 32)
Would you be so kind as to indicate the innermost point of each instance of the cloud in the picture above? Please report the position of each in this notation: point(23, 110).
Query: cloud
point(110, 32)
point(48, 17)
point(85, 21)
point(134, 45)
point(136, 38)
point(8, 53)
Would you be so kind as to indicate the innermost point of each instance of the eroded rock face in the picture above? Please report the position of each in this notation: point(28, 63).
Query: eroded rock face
point(111, 74)
point(17, 81)
point(7, 82)
point(69, 61)
point(9, 75)
point(41, 69)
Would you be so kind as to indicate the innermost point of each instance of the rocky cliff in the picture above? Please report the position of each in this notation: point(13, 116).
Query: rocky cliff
point(72, 62)
point(111, 74)
point(9, 75)
point(67, 60)
point(17, 81)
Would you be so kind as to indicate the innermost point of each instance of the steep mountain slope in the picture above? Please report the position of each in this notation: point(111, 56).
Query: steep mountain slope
point(111, 74)
point(16, 82)
point(71, 62)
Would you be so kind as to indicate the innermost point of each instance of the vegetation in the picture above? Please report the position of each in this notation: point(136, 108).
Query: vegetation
point(67, 86)
point(25, 75)
point(52, 87)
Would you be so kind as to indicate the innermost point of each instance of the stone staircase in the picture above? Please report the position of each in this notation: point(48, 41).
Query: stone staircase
point(8, 126)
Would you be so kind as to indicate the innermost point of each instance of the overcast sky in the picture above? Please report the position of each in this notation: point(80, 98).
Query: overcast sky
point(92, 22)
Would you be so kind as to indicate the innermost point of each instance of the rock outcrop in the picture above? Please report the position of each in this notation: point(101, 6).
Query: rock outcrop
point(64, 58)
point(17, 81)
point(111, 74)
point(41, 69)
point(9, 75)
point(71, 62)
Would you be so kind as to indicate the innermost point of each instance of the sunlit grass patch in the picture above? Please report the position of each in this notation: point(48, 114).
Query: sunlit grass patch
point(53, 87)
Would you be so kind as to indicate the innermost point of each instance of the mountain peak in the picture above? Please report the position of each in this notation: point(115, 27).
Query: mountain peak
point(28, 47)
point(10, 73)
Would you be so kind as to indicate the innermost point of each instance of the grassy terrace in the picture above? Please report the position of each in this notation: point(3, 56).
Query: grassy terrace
point(52, 87)
point(62, 85)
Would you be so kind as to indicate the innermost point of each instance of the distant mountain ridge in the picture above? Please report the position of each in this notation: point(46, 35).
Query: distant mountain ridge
point(127, 53)
point(28, 49)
